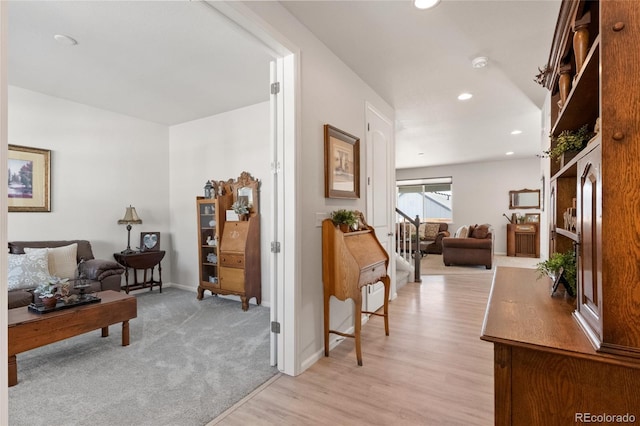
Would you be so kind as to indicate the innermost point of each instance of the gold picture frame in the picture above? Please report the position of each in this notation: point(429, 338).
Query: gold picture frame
point(532, 218)
point(341, 164)
point(29, 179)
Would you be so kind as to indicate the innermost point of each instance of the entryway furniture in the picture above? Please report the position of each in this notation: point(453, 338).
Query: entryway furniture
point(523, 239)
point(351, 261)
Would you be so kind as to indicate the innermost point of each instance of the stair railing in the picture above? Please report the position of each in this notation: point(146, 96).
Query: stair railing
point(404, 246)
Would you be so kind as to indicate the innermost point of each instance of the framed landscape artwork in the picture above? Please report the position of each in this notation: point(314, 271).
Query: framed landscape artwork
point(341, 164)
point(28, 179)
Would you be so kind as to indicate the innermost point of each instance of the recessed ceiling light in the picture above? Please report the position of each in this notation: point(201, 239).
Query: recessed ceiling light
point(480, 62)
point(516, 132)
point(465, 96)
point(508, 153)
point(425, 4)
point(65, 39)
point(421, 153)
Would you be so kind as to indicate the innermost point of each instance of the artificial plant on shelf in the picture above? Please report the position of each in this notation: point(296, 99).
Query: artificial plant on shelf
point(346, 220)
point(241, 208)
point(561, 263)
point(569, 140)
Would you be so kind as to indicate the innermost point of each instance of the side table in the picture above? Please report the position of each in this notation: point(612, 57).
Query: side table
point(145, 261)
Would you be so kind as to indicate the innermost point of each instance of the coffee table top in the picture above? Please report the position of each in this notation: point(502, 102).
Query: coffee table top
point(22, 314)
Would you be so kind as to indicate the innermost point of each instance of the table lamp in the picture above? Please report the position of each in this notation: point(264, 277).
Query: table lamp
point(130, 216)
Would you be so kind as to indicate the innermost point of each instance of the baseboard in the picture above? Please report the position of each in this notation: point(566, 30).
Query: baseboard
point(264, 303)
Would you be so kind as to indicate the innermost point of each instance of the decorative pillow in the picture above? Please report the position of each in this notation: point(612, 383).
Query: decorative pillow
point(421, 230)
point(472, 228)
point(431, 231)
point(27, 270)
point(62, 260)
point(462, 232)
point(481, 231)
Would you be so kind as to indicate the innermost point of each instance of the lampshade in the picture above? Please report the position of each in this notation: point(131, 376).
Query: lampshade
point(130, 216)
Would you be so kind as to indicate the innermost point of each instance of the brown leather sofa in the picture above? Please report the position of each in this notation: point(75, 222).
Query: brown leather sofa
point(430, 236)
point(100, 274)
point(476, 249)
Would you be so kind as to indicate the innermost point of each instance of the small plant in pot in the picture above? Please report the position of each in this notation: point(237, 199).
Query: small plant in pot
point(46, 291)
point(241, 208)
point(346, 220)
point(561, 267)
point(569, 140)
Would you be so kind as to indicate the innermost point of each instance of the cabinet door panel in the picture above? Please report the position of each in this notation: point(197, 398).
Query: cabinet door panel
point(589, 256)
point(232, 279)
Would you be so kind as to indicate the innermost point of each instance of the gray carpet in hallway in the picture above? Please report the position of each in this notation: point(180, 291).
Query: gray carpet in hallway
point(188, 361)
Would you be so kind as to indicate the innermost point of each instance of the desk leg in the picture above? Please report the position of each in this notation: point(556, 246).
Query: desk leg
point(357, 328)
point(126, 279)
point(125, 333)
point(387, 289)
point(13, 370)
point(160, 278)
point(105, 331)
point(326, 323)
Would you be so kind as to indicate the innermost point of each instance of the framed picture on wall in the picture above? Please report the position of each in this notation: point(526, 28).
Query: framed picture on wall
point(28, 179)
point(341, 164)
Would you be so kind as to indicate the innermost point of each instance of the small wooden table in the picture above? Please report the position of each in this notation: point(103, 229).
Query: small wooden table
point(28, 330)
point(145, 261)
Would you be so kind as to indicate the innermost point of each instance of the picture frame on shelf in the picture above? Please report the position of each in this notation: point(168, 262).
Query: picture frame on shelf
point(149, 241)
point(341, 164)
point(29, 171)
point(532, 218)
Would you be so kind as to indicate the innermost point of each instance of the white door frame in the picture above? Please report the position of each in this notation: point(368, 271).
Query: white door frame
point(285, 131)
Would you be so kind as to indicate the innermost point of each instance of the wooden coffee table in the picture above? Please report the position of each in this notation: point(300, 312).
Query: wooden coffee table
point(28, 330)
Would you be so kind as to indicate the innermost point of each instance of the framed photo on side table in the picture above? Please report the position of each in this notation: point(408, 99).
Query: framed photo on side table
point(29, 179)
point(149, 241)
point(532, 218)
point(341, 164)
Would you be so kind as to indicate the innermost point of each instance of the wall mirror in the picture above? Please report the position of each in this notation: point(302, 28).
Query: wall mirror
point(247, 188)
point(524, 199)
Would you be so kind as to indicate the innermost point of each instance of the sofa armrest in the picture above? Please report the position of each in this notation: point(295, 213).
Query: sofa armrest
point(99, 269)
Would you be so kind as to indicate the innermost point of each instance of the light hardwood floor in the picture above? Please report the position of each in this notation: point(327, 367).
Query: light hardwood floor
point(433, 369)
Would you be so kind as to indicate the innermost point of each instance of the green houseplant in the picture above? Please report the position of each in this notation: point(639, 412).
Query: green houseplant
point(344, 219)
point(569, 140)
point(563, 264)
point(241, 208)
point(46, 291)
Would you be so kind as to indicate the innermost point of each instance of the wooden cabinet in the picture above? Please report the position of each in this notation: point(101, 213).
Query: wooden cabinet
point(523, 239)
point(239, 258)
point(229, 251)
point(604, 177)
point(210, 220)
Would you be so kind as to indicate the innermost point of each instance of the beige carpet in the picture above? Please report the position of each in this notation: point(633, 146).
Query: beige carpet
point(433, 265)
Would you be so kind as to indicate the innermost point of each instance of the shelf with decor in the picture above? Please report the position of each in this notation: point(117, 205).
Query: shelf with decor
point(210, 222)
point(592, 77)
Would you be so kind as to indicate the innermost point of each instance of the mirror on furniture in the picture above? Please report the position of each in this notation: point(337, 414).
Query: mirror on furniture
point(524, 199)
point(246, 187)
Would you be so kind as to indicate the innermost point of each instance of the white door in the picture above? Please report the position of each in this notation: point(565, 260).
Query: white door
point(380, 202)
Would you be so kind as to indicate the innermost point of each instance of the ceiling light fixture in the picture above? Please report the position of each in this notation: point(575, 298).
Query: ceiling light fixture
point(480, 62)
point(516, 132)
point(425, 4)
point(508, 153)
point(465, 96)
point(65, 39)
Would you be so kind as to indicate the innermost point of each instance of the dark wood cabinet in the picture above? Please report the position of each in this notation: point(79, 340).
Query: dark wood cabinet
point(555, 358)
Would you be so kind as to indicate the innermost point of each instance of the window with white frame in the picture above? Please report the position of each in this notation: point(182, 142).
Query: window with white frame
point(428, 198)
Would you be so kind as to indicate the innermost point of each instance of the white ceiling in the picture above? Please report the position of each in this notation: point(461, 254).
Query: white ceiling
point(171, 62)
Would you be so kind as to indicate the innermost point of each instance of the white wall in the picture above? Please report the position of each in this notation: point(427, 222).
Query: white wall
point(481, 192)
point(330, 93)
point(100, 163)
point(220, 147)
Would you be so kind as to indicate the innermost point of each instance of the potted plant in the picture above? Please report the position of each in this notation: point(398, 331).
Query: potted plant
point(569, 140)
point(241, 208)
point(561, 267)
point(344, 219)
point(46, 291)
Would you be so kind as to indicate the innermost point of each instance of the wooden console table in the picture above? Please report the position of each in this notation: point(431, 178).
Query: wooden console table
point(145, 261)
point(523, 239)
point(28, 330)
point(545, 369)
